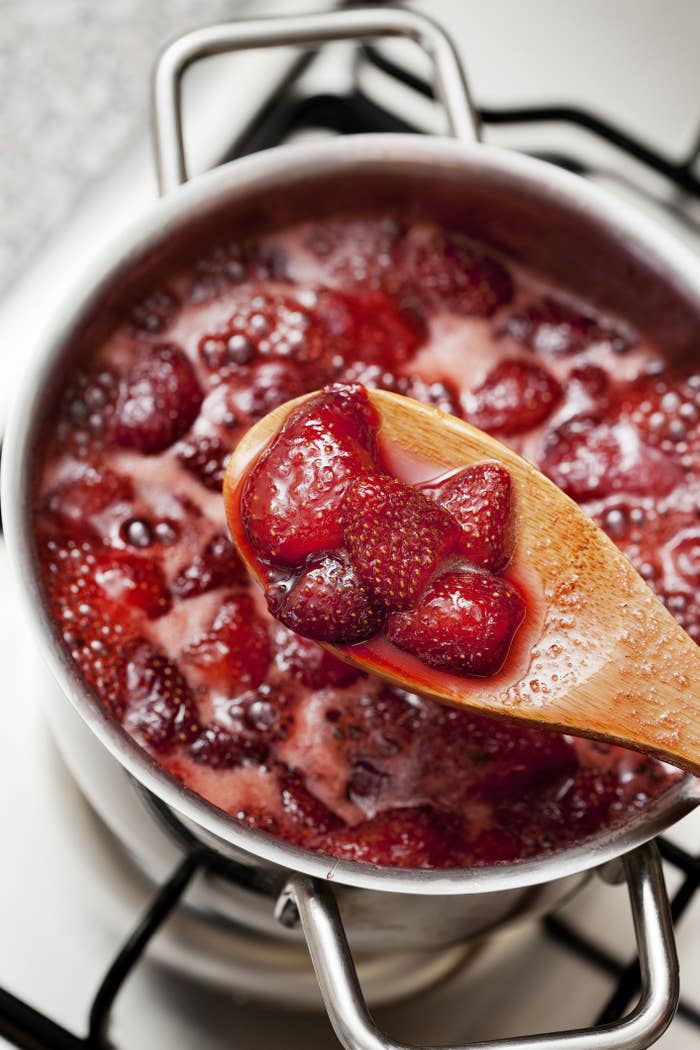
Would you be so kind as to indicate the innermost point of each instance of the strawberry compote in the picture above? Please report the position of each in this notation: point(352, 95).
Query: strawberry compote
point(156, 610)
point(349, 553)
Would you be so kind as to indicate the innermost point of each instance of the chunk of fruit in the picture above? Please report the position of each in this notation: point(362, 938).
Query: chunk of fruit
point(479, 498)
point(329, 603)
point(304, 814)
point(371, 327)
point(258, 389)
point(230, 264)
point(550, 327)
point(217, 566)
point(397, 538)
point(410, 837)
point(360, 252)
point(235, 651)
point(155, 313)
point(588, 460)
point(465, 623)
point(516, 395)
point(216, 748)
point(291, 504)
point(205, 456)
point(159, 400)
point(311, 663)
point(74, 504)
point(133, 583)
point(445, 270)
point(162, 712)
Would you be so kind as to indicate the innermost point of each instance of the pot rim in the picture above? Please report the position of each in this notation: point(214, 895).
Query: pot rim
point(195, 200)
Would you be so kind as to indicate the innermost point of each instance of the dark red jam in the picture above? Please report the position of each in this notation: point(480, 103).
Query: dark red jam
point(155, 607)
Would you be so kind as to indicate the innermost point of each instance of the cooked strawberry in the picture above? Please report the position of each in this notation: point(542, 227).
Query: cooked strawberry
point(87, 411)
point(206, 457)
point(479, 498)
point(588, 460)
point(216, 748)
point(260, 388)
point(162, 712)
point(371, 327)
point(230, 264)
point(397, 538)
point(93, 635)
point(549, 327)
point(304, 814)
point(74, 504)
point(291, 505)
point(464, 623)
point(311, 663)
point(356, 252)
point(132, 583)
point(445, 270)
point(516, 395)
point(158, 402)
point(410, 837)
point(329, 603)
point(155, 313)
point(273, 325)
point(217, 566)
point(235, 650)
point(440, 393)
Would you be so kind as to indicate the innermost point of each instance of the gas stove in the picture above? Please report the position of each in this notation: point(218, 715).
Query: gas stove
point(93, 944)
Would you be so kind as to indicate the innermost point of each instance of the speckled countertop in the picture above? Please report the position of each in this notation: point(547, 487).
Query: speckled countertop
point(73, 76)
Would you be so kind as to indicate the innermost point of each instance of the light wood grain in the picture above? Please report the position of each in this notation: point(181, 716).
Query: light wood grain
point(598, 655)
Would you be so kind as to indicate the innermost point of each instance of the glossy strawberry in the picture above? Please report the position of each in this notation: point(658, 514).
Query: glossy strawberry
point(516, 395)
point(216, 748)
point(408, 837)
point(258, 389)
point(291, 504)
point(313, 665)
point(370, 326)
point(329, 603)
point(155, 313)
point(588, 460)
point(397, 538)
point(231, 263)
point(550, 327)
point(162, 712)
point(93, 635)
point(464, 623)
point(205, 456)
point(479, 498)
point(132, 583)
point(356, 252)
point(235, 651)
point(158, 402)
point(441, 393)
point(74, 505)
point(305, 815)
point(445, 270)
point(218, 565)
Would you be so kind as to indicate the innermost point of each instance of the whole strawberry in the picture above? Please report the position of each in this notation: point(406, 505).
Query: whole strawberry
point(397, 538)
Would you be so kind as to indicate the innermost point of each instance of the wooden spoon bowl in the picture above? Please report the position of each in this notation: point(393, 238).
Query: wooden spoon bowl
point(598, 654)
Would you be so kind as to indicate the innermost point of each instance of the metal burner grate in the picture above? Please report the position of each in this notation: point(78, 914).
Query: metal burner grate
point(283, 116)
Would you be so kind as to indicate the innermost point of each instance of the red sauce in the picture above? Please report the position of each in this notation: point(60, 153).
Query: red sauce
point(155, 608)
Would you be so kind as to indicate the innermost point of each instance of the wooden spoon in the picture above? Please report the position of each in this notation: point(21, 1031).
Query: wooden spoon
point(598, 654)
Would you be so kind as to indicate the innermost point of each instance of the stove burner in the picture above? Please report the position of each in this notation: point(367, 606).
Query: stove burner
point(280, 117)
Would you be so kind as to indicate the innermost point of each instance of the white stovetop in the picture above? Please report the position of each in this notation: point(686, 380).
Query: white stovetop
point(60, 920)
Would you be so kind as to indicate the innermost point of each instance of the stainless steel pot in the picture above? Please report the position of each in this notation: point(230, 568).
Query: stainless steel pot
point(533, 212)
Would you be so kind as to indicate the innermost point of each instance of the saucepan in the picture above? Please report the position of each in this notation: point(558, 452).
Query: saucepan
point(553, 221)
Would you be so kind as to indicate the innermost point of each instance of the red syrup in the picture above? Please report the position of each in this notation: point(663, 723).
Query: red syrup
point(154, 606)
